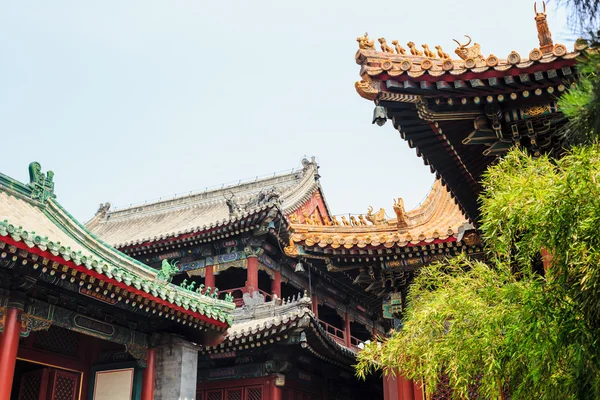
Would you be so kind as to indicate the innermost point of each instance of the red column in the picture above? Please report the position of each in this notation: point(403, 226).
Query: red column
point(275, 392)
point(408, 392)
point(347, 329)
point(276, 284)
point(209, 278)
point(9, 345)
point(546, 259)
point(390, 387)
point(252, 279)
point(418, 389)
point(315, 305)
point(148, 376)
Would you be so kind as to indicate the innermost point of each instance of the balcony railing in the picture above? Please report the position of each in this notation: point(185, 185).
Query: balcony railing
point(339, 335)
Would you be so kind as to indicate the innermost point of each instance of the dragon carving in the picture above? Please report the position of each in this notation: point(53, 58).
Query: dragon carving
point(365, 43)
point(400, 212)
point(167, 271)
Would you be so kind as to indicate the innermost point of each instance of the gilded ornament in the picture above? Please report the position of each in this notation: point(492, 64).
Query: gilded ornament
point(377, 218)
point(335, 221)
point(413, 49)
point(384, 46)
point(427, 51)
point(291, 250)
point(544, 35)
point(441, 53)
point(400, 212)
point(353, 220)
point(399, 49)
point(345, 221)
point(368, 89)
point(362, 220)
point(365, 43)
point(465, 52)
point(294, 218)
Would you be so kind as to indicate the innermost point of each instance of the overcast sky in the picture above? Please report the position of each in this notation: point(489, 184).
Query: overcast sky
point(130, 100)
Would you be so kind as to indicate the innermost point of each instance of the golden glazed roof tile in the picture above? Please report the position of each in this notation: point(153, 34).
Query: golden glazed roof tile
point(437, 218)
point(418, 63)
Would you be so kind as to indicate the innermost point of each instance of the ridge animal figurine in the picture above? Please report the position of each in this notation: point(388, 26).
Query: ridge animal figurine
point(465, 52)
point(441, 54)
point(399, 49)
point(384, 46)
point(364, 42)
point(413, 49)
point(427, 51)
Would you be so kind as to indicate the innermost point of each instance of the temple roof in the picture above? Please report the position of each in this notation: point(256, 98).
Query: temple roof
point(206, 210)
point(462, 112)
point(31, 219)
point(384, 71)
point(258, 324)
point(437, 219)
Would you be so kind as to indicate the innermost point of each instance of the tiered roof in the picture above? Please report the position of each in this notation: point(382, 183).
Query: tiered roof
point(283, 322)
point(34, 223)
point(462, 111)
point(436, 220)
point(224, 211)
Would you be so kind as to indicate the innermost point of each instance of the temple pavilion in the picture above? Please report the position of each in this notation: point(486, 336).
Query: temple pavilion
point(130, 300)
point(80, 319)
point(461, 112)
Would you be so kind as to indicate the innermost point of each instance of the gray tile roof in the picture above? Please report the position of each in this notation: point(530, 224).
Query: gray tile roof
point(202, 211)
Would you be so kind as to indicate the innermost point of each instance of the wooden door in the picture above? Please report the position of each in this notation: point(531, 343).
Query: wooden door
point(34, 385)
point(63, 385)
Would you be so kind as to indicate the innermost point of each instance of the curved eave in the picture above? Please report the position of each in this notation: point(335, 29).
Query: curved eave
point(382, 66)
point(63, 265)
point(218, 230)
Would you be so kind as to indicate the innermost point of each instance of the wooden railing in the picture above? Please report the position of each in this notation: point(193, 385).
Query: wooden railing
point(339, 335)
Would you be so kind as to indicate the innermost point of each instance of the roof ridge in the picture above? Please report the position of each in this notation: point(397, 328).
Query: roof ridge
point(241, 186)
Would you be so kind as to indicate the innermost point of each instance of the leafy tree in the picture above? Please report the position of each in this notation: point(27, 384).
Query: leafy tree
point(502, 324)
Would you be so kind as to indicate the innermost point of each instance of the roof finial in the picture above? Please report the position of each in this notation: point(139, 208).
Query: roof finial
point(42, 185)
point(544, 35)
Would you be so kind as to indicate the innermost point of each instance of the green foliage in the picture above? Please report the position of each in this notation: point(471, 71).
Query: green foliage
point(504, 325)
point(582, 102)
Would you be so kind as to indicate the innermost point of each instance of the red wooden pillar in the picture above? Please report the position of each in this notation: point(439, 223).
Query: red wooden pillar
point(148, 376)
point(9, 345)
point(546, 259)
point(347, 335)
point(275, 392)
point(390, 388)
point(418, 389)
point(315, 304)
point(252, 277)
point(408, 392)
point(276, 284)
point(209, 277)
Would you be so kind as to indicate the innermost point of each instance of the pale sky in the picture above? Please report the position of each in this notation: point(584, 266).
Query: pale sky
point(133, 100)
